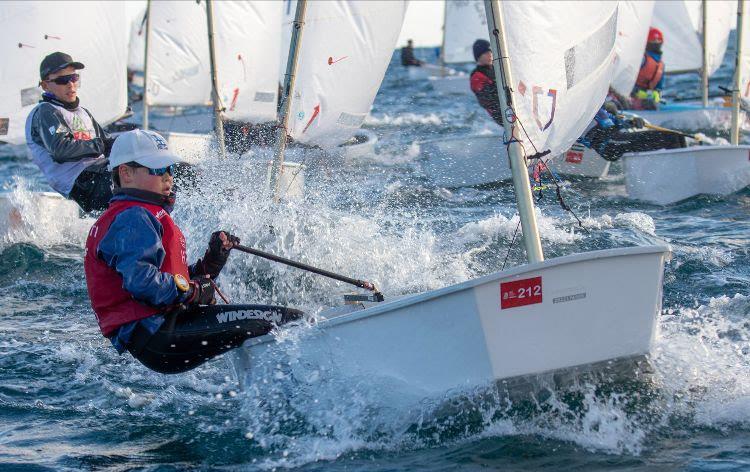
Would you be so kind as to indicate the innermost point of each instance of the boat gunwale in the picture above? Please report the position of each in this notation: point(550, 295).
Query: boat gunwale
point(469, 284)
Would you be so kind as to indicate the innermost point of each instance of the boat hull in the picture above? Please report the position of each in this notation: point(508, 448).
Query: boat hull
point(668, 176)
point(465, 162)
point(451, 84)
point(581, 161)
point(693, 116)
point(361, 145)
point(588, 308)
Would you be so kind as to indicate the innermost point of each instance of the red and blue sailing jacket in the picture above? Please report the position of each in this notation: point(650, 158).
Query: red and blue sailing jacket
point(132, 253)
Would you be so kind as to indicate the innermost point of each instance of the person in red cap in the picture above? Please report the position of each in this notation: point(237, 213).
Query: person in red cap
point(646, 94)
point(65, 140)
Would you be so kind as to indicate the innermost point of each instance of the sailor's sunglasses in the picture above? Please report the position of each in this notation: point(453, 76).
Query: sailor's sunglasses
point(158, 172)
point(65, 79)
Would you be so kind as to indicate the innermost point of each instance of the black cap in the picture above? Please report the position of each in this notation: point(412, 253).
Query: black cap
point(480, 47)
point(55, 62)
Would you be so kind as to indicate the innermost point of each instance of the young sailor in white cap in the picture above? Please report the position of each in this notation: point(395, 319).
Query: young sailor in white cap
point(146, 298)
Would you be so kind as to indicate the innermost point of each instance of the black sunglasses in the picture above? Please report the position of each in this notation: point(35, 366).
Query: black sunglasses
point(65, 79)
point(159, 172)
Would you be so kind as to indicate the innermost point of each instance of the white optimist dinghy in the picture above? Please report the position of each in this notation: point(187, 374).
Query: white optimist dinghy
point(562, 313)
point(668, 176)
point(31, 30)
point(464, 22)
point(695, 40)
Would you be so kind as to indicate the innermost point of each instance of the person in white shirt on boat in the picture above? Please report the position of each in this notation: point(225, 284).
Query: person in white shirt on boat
point(65, 140)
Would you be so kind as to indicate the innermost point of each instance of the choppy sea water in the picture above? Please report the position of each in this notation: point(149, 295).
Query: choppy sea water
point(69, 402)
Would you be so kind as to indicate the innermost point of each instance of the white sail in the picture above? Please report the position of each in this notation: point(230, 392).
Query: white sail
point(465, 22)
point(247, 56)
point(722, 17)
point(248, 53)
point(95, 35)
point(560, 74)
point(137, 42)
point(633, 22)
point(345, 51)
point(179, 72)
point(681, 22)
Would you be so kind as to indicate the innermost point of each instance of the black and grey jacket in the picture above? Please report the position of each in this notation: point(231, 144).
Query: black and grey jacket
point(64, 139)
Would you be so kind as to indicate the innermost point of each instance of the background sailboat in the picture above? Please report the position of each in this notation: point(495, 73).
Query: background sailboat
point(668, 176)
point(179, 73)
point(688, 50)
point(464, 23)
point(341, 61)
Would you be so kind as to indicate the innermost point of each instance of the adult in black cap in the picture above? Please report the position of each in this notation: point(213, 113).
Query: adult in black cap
point(65, 140)
point(482, 80)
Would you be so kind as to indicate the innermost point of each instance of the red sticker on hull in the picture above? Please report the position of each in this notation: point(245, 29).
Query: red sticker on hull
point(574, 157)
point(520, 292)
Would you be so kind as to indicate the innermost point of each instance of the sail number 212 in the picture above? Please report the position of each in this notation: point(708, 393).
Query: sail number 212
point(520, 292)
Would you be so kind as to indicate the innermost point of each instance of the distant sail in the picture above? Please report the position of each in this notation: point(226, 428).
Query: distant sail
point(560, 74)
point(137, 42)
point(681, 23)
point(465, 22)
point(178, 68)
point(248, 51)
point(633, 22)
point(247, 47)
point(346, 48)
point(95, 34)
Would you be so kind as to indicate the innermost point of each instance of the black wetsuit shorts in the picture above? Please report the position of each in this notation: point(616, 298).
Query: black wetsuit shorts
point(189, 338)
point(92, 190)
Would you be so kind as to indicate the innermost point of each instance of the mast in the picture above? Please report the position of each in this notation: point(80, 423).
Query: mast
point(704, 70)
point(521, 184)
point(145, 65)
point(735, 136)
point(218, 109)
point(286, 99)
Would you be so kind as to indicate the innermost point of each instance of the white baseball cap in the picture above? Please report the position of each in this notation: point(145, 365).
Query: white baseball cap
point(147, 148)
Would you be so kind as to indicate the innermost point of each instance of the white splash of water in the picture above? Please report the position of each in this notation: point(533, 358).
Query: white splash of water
point(403, 119)
point(551, 229)
point(702, 359)
point(44, 219)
